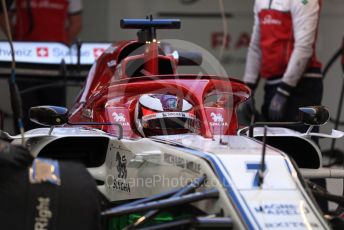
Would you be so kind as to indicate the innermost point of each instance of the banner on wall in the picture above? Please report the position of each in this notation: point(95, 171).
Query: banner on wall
point(51, 52)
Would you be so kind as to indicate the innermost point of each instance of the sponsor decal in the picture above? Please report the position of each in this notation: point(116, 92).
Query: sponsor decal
point(168, 114)
point(182, 163)
point(121, 185)
point(174, 160)
point(42, 52)
point(43, 213)
point(290, 224)
point(193, 166)
point(24, 52)
point(268, 20)
point(97, 52)
point(217, 119)
point(120, 118)
point(59, 52)
point(36, 52)
point(281, 209)
point(120, 182)
point(111, 63)
point(149, 117)
point(177, 114)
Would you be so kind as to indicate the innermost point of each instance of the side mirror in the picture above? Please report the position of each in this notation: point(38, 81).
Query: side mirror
point(314, 115)
point(48, 115)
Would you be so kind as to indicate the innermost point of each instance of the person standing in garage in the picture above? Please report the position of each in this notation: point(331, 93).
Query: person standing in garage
point(282, 51)
point(41, 20)
point(44, 20)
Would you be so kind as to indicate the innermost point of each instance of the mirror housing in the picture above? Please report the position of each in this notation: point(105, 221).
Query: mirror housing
point(48, 115)
point(314, 115)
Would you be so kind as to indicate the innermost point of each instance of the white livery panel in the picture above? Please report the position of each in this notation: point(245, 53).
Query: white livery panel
point(140, 168)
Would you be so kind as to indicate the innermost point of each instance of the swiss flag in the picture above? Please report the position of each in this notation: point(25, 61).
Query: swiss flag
point(97, 52)
point(42, 52)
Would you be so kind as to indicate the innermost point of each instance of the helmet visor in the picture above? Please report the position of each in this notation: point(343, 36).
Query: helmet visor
point(169, 125)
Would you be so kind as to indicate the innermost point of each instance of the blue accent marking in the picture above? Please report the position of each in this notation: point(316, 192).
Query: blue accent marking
point(248, 208)
point(256, 167)
point(273, 189)
point(225, 183)
point(286, 162)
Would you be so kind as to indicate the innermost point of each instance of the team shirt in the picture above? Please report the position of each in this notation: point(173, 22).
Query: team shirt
point(44, 20)
point(283, 41)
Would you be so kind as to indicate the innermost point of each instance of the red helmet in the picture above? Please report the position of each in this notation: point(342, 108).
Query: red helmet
point(163, 114)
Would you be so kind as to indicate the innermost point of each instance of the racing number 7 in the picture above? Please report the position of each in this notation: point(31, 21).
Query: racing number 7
point(255, 167)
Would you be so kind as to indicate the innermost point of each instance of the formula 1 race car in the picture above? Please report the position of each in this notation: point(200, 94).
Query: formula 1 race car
point(165, 151)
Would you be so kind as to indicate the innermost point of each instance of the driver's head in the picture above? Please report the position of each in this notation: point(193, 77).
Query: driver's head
point(164, 114)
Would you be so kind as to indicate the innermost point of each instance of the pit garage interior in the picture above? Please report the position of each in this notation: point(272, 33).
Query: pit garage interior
point(222, 28)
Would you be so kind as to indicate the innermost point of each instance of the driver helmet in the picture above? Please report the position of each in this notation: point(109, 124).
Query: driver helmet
point(163, 114)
